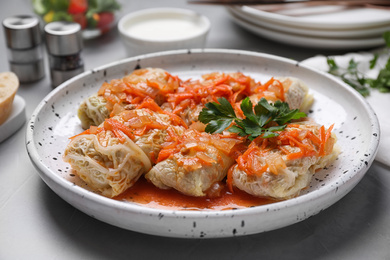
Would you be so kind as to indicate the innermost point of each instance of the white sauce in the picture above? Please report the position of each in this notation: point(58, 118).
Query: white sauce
point(164, 29)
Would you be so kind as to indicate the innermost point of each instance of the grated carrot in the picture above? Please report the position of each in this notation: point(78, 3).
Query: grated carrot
point(118, 129)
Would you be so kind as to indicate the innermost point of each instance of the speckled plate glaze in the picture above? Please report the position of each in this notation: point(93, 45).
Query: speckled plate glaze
point(356, 126)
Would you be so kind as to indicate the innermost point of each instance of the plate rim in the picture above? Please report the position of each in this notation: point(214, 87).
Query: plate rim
point(308, 41)
point(290, 20)
point(332, 34)
point(47, 175)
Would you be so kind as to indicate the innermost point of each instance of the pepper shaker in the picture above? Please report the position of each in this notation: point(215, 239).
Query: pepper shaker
point(64, 45)
point(24, 47)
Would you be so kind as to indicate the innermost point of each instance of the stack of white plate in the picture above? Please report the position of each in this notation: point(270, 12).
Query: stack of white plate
point(323, 27)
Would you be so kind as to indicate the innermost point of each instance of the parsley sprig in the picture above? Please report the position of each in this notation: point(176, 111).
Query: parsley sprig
point(350, 75)
point(357, 80)
point(221, 115)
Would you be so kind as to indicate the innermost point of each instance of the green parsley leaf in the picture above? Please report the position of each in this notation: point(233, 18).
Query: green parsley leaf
point(217, 126)
point(219, 116)
point(333, 68)
point(236, 129)
point(386, 37)
point(357, 80)
point(286, 115)
point(382, 82)
point(374, 61)
point(350, 75)
point(270, 132)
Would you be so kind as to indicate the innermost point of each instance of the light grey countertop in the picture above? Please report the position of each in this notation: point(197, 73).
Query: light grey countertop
point(37, 224)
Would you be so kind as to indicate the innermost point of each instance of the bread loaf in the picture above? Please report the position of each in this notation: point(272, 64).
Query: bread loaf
point(9, 84)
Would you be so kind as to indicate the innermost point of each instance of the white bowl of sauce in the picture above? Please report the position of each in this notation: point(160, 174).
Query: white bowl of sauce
point(160, 29)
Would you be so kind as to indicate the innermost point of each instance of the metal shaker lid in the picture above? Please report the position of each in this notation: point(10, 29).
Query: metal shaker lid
point(63, 38)
point(22, 31)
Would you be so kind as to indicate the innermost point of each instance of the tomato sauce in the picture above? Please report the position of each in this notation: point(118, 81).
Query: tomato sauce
point(146, 194)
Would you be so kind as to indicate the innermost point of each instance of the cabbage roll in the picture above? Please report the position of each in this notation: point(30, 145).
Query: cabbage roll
point(93, 111)
point(194, 163)
point(106, 163)
point(125, 93)
point(280, 167)
point(291, 90)
point(110, 158)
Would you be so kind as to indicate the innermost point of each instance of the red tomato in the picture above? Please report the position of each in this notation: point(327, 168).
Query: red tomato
point(105, 20)
point(77, 6)
point(80, 19)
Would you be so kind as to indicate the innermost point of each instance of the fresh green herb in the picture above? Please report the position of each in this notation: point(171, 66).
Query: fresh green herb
point(219, 116)
point(374, 61)
point(350, 75)
point(357, 80)
point(382, 82)
point(386, 36)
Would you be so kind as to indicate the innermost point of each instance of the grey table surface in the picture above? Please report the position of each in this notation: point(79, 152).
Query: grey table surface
point(37, 224)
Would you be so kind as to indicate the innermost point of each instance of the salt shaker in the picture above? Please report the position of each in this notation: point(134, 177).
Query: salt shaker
point(24, 47)
point(64, 45)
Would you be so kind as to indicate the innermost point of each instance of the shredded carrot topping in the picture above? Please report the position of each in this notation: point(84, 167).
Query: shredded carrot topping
point(152, 105)
point(134, 88)
point(194, 93)
point(91, 130)
point(118, 129)
point(194, 144)
point(294, 143)
point(274, 86)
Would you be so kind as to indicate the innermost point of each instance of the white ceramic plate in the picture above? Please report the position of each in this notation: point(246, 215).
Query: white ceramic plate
point(356, 126)
point(309, 41)
point(357, 33)
point(339, 18)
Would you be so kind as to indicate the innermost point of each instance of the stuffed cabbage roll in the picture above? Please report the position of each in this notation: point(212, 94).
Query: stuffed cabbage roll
point(280, 167)
point(291, 90)
point(93, 111)
point(125, 93)
point(194, 163)
point(105, 162)
point(110, 158)
point(192, 95)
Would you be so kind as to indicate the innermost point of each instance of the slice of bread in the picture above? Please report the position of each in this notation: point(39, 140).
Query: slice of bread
point(9, 84)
